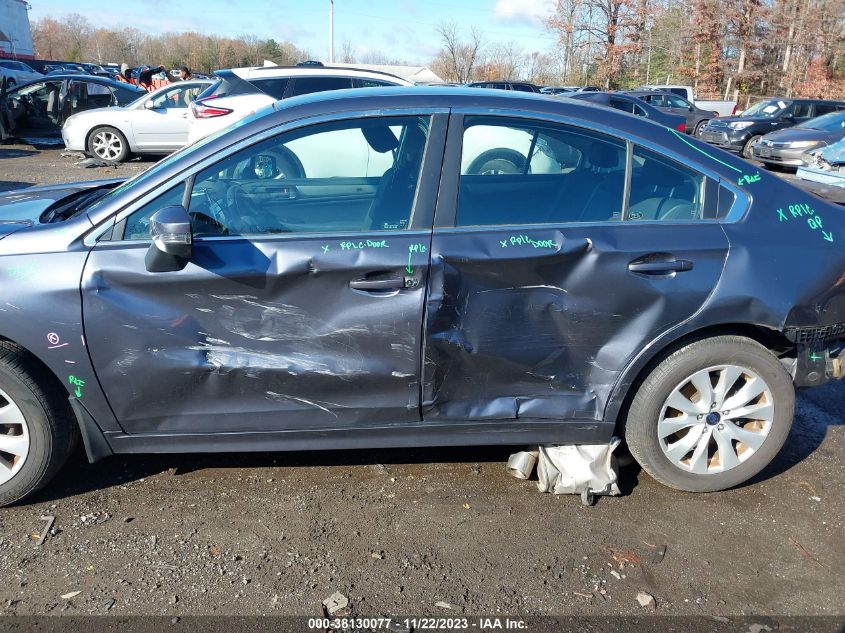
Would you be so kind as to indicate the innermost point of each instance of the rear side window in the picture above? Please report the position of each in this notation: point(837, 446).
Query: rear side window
point(272, 86)
point(370, 83)
point(825, 108)
point(513, 173)
point(307, 85)
point(521, 87)
point(662, 189)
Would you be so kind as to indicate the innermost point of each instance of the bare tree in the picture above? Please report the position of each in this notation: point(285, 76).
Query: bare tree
point(458, 57)
point(347, 53)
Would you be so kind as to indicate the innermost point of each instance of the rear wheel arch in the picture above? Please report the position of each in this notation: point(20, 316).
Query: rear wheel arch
point(638, 370)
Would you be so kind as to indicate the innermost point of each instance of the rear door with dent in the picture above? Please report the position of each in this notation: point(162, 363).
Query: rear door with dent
point(541, 291)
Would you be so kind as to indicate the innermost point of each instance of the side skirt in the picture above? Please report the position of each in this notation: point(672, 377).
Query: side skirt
point(419, 435)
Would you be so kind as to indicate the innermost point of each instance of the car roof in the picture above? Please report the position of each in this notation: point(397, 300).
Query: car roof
point(250, 72)
point(97, 79)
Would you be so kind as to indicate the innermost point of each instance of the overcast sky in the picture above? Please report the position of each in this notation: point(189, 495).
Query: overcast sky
point(404, 29)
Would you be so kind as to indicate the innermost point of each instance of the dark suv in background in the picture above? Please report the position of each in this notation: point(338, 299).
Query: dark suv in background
point(741, 133)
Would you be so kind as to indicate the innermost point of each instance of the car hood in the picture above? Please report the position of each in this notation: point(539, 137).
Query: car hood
point(794, 134)
point(21, 208)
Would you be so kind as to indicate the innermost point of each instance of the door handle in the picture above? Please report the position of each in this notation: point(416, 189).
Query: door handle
point(660, 267)
point(391, 283)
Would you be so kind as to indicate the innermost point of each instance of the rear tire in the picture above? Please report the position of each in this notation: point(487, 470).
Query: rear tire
point(743, 366)
point(42, 423)
point(108, 143)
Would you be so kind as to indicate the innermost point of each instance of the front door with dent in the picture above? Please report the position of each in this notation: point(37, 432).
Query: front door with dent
point(301, 307)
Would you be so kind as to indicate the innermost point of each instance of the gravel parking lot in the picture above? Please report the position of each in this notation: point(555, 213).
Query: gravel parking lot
point(401, 532)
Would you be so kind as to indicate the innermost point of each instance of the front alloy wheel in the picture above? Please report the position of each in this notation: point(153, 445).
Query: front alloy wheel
point(14, 438)
point(107, 145)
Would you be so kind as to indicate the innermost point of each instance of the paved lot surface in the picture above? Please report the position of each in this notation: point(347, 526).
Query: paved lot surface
point(399, 531)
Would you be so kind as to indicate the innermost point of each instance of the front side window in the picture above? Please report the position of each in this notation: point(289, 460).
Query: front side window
point(138, 224)
point(656, 100)
point(802, 110)
point(673, 101)
point(513, 172)
point(177, 97)
point(662, 189)
point(341, 177)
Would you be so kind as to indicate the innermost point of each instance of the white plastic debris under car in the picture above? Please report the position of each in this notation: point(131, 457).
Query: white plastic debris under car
point(586, 469)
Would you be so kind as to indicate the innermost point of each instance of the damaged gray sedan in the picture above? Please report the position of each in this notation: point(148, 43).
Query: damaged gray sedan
point(420, 267)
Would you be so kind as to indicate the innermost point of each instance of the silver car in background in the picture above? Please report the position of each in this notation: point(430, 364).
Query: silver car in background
point(156, 123)
point(783, 148)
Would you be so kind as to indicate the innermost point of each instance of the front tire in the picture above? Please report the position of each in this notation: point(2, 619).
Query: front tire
point(747, 152)
point(699, 128)
point(108, 143)
point(36, 431)
point(711, 415)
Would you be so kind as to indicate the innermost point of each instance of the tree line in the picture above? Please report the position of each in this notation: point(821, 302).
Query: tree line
point(74, 38)
point(723, 48)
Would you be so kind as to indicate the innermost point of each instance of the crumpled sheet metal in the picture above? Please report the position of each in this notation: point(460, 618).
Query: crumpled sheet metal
point(587, 469)
point(834, 153)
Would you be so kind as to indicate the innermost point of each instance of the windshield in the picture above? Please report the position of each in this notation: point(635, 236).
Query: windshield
point(766, 109)
point(833, 122)
point(144, 176)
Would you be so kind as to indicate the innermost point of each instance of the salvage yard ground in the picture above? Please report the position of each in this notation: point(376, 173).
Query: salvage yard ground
point(399, 531)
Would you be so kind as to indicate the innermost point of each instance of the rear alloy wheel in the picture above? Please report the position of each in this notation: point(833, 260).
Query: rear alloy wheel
point(711, 415)
point(109, 144)
point(747, 149)
point(36, 432)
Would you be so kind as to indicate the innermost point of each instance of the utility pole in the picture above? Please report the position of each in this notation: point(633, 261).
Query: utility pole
point(331, 31)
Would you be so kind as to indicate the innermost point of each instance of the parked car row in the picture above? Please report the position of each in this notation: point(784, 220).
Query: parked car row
point(420, 298)
point(742, 134)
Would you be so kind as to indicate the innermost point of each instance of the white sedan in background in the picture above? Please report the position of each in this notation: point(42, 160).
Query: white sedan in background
point(156, 123)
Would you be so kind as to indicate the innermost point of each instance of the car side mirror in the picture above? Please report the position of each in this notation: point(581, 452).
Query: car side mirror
point(172, 236)
point(691, 108)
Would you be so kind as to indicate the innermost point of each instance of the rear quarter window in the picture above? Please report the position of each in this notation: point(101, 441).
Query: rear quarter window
point(272, 86)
